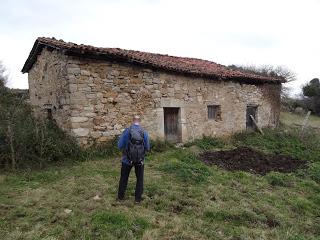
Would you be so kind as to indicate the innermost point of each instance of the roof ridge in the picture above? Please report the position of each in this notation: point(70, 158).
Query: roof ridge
point(131, 50)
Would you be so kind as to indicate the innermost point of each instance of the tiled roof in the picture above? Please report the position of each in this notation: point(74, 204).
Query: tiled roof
point(183, 65)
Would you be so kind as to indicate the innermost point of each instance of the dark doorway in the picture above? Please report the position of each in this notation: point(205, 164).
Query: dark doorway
point(171, 124)
point(49, 114)
point(251, 110)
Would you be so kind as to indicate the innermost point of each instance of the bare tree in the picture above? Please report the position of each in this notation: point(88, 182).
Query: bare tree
point(286, 73)
point(267, 70)
point(270, 71)
point(3, 76)
point(9, 110)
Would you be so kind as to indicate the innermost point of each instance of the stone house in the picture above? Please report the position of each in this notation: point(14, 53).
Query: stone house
point(93, 93)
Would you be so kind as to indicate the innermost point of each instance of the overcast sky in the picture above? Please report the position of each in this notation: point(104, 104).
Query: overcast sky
point(275, 32)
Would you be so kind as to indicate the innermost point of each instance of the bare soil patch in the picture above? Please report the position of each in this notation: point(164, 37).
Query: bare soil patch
point(249, 160)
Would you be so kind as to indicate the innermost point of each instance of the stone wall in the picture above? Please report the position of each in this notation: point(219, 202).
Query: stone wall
point(48, 87)
point(102, 96)
point(105, 96)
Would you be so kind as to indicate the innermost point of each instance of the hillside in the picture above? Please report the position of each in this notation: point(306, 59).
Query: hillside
point(183, 198)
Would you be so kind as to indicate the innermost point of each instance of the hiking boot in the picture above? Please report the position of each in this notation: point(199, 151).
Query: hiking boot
point(137, 201)
point(120, 198)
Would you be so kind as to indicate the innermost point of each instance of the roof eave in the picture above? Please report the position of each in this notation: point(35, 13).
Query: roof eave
point(39, 45)
point(31, 58)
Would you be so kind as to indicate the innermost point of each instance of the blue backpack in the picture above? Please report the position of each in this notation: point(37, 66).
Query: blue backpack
point(136, 145)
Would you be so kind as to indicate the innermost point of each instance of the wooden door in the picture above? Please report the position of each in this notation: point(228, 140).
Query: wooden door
point(251, 110)
point(171, 127)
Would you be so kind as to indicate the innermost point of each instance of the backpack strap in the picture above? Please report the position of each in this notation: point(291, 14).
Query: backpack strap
point(129, 135)
point(129, 139)
point(141, 130)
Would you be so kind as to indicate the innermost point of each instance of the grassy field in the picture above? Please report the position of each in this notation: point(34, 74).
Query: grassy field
point(183, 198)
point(291, 119)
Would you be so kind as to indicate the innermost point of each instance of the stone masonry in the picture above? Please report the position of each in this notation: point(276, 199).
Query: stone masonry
point(95, 99)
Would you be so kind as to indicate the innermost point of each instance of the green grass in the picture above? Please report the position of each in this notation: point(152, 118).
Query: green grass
point(107, 224)
point(206, 143)
point(183, 198)
point(291, 119)
point(184, 166)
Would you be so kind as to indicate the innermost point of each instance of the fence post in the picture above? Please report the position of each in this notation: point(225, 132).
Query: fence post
point(255, 123)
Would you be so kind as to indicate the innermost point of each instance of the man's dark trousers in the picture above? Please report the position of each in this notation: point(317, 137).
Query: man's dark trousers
point(125, 171)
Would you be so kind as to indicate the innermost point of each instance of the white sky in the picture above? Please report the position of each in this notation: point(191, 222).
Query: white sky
point(275, 32)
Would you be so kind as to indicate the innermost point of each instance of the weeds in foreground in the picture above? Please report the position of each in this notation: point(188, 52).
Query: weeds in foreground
point(102, 150)
point(183, 199)
point(206, 143)
point(160, 146)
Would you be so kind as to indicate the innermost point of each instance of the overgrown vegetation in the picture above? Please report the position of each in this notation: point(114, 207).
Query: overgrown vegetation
point(206, 143)
point(102, 150)
point(160, 146)
point(26, 141)
point(267, 70)
point(183, 198)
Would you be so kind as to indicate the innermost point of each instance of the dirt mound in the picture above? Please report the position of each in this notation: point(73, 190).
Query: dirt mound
point(249, 160)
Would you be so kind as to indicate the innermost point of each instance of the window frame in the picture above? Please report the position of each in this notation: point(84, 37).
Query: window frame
point(214, 112)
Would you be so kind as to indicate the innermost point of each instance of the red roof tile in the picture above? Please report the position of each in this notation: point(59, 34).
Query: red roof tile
point(184, 65)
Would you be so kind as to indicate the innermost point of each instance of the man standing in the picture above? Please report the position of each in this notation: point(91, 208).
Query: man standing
point(134, 143)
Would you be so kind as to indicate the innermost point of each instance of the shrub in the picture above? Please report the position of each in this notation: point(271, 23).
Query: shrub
point(26, 141)
point(36, 144)
point(160, 146)
point(206, 143)
point(107, 149)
